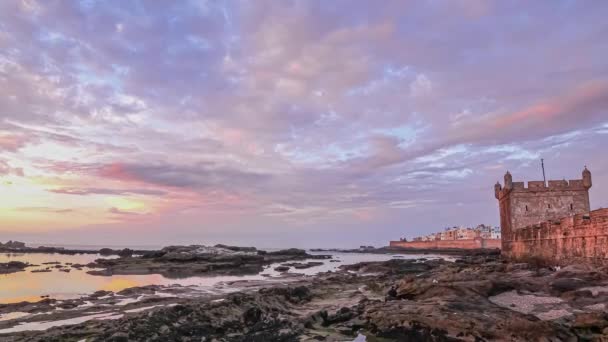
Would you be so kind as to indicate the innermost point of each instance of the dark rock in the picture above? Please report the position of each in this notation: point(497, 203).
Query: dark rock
point(12, 245)
point(237, 249)
point(252, 316)
point(12, 267)
point(106, 251)
point(567, 284)
point(282, 268)
point(342, 315)
point(290, 251)
point(298, 294)
point(119, 337)
point(126, 252)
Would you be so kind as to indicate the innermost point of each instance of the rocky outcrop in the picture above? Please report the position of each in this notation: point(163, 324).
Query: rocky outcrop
point(12, 267)
point(12, 245)
point(184, 261)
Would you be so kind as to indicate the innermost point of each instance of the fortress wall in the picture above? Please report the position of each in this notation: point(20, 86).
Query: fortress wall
point(575, 239)
point(449, 244)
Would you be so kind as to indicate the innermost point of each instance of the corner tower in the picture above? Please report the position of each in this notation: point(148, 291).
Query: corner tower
point(522, 206)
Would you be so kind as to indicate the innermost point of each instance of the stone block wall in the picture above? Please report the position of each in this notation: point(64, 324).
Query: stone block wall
point(576, 239)
point(449, 244)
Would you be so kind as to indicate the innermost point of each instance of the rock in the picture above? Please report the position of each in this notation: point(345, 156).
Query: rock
point(100, 293)
point(342, 315)
point(567, 284)
point(12, 267)
point(595, 320)
point(12, 245)
point(298, 294)
point(106, 251)
point(410, 288)
point(301, 265)
point(126, 252)
point(237, 249)
point(282, 268)
point(290, 251)
point(41, 270)
point(119, 337)
point(252, 316)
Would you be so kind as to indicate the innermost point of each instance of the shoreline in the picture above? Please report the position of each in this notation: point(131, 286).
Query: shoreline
point(396, 300)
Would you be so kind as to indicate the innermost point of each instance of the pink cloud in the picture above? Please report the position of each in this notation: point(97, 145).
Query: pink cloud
point(12, 142)
point(117, 171)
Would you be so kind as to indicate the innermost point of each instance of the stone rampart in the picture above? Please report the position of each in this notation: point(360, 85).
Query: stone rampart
point(449, 244)
point(582, 238)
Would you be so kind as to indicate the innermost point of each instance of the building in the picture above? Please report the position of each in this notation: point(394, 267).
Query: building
point(522, 206)
point(552, 223)
point(455, 238)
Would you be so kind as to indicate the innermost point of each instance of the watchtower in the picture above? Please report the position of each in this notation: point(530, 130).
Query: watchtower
point(522, 206)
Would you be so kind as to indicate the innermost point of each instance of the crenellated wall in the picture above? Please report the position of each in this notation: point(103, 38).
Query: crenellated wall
point(449, 244)
point(575, 239)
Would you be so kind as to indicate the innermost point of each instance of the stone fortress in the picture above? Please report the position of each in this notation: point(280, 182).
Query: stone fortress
point(552, 221)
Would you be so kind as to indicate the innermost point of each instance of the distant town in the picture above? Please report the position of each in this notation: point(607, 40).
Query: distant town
point(461, 233)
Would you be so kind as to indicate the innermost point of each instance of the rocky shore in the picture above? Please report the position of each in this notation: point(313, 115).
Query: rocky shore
point(20, 247)
point(476, 298)
point(187, 261)
point(171, 261)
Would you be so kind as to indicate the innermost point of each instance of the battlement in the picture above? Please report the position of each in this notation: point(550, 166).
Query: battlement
point(535, 186)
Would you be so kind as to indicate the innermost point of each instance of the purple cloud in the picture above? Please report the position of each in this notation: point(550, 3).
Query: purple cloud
point(307, 116)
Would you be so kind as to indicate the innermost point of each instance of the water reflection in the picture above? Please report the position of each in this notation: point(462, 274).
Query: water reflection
point(28, 286)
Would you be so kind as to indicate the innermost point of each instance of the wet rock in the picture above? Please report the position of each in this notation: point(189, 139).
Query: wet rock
point(12, 245)
point(41, 270)
point(252, 316)
point(567, 284)
point(100, 293)
point(119, 337)
point(342, 315)
point(302, 265)
point(12, 267)
point(126, 252)
point(282, 268)
point(595, 320)
point(290, 251)
point(298, 294)
point(106, 251)
point(238, 249)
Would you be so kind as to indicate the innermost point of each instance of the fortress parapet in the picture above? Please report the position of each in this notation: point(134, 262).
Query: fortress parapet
point(583, 184)
point(582, 238)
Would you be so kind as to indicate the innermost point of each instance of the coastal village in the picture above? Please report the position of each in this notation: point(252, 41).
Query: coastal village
point(461, 233)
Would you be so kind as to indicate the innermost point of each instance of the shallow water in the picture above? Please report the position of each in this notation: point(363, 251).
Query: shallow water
point(27, 286)
point(49, 324)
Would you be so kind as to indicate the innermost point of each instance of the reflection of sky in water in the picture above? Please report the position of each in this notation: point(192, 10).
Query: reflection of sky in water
point(27, 286)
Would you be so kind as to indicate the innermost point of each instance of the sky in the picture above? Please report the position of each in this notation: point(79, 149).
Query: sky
point(290, 123)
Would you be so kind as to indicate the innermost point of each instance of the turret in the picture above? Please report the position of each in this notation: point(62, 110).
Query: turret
point(497, 188)
point(508, 181)
point(587, 178)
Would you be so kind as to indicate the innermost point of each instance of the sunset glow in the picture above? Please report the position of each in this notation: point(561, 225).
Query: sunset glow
point(205, 122)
